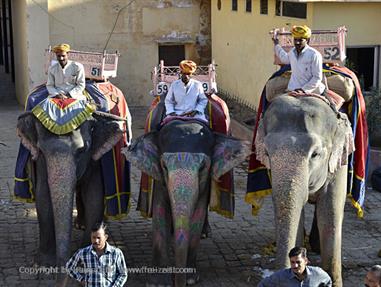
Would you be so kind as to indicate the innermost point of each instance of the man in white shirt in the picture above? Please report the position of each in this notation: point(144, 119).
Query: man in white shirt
point(306, 63)
point(66, 79)
point(186, 96)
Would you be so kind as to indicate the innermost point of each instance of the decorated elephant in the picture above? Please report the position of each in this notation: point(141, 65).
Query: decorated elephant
point(63, 164)
point(305, 144)
point(182, 157)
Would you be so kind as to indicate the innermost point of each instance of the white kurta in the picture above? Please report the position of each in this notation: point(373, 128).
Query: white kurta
point(70, 79)
point(183, 98)
point(307, 70)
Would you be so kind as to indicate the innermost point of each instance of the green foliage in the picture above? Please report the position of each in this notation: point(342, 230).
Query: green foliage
point(373, 112)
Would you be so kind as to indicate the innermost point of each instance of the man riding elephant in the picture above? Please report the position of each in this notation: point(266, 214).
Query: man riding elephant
point(66, 79)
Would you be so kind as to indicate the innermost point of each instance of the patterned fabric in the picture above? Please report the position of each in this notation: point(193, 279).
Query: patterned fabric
point(62, 116)
point(259, 177)
point(115, 168)
point(222, 191)
point(108, 270)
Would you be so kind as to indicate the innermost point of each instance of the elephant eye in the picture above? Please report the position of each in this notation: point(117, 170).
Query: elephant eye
point(315, 154)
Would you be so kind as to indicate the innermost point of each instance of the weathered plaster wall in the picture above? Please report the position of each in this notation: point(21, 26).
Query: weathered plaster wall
point(86, 25)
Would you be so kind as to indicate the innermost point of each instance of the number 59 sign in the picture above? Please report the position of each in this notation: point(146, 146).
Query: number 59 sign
point(163, 87)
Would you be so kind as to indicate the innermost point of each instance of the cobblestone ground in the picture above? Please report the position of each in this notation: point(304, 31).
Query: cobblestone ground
point(232, 256)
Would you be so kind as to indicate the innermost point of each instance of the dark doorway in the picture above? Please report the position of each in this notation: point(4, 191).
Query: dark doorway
point(172, 54)
point(362, 62)
point(6, 38)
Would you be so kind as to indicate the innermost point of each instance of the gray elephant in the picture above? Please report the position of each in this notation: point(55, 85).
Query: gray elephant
point(306, 145)
point(182, 157)
point(64, 163)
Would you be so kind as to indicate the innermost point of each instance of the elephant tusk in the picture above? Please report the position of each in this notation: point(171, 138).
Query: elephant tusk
point(108, 115)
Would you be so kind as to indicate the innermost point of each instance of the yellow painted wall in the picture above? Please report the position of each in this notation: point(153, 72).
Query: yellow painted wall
point(243, 50)
point(135, 36)
point(242, 47)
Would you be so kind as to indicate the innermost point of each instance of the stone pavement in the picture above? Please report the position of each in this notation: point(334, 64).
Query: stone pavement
point(232, 256)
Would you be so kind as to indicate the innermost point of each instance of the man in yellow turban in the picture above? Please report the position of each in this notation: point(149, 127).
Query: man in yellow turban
point(66, 79)
point(186, 95)
point(306, 63)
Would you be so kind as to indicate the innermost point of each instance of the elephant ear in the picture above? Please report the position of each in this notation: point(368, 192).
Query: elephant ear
point(260, 149)
point(26, 130)
point(144, 154)
point(342, 145)
point(228, 153)
point(106, 134)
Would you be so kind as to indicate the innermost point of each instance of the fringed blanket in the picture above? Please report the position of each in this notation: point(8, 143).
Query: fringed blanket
point(62, 116)
point(259, 178)
point(222, 191)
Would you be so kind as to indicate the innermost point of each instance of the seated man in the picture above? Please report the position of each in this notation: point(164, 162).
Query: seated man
point(66, 79)
point(186, 96)
point(306, 63)
point(299, 274)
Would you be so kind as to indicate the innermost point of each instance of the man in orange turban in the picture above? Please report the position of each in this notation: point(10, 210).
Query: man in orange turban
point(66, 79)
point(186, 96)
point(306, 63)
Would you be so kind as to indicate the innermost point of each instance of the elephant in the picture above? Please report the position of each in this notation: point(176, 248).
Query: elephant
point(182, 157)
point(63, 164)
point(305, 143)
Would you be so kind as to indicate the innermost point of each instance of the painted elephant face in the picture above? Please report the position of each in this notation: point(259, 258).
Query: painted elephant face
point(155, 153)
point(306, 133)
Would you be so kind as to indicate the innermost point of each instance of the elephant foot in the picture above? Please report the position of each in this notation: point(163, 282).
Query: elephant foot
point(206, 231)
point(160, 280)
point(192, 279)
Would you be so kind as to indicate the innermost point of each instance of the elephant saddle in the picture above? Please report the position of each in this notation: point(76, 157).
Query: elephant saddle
point(221, 191)
point(63, 116)
point(258, 181)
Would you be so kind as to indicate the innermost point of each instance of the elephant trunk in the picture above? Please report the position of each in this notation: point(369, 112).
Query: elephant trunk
point(62, 180)
point(290, 194)
point(185, 178)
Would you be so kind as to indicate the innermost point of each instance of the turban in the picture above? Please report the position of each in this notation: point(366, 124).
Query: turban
point(301, 32)
point(187, 67)
point(61, 48)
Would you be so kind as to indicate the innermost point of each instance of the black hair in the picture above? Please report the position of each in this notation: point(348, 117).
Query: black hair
point(99, 225)
point(296, 251)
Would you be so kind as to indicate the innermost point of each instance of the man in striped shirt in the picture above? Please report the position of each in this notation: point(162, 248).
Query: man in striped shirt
point(99, 264)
